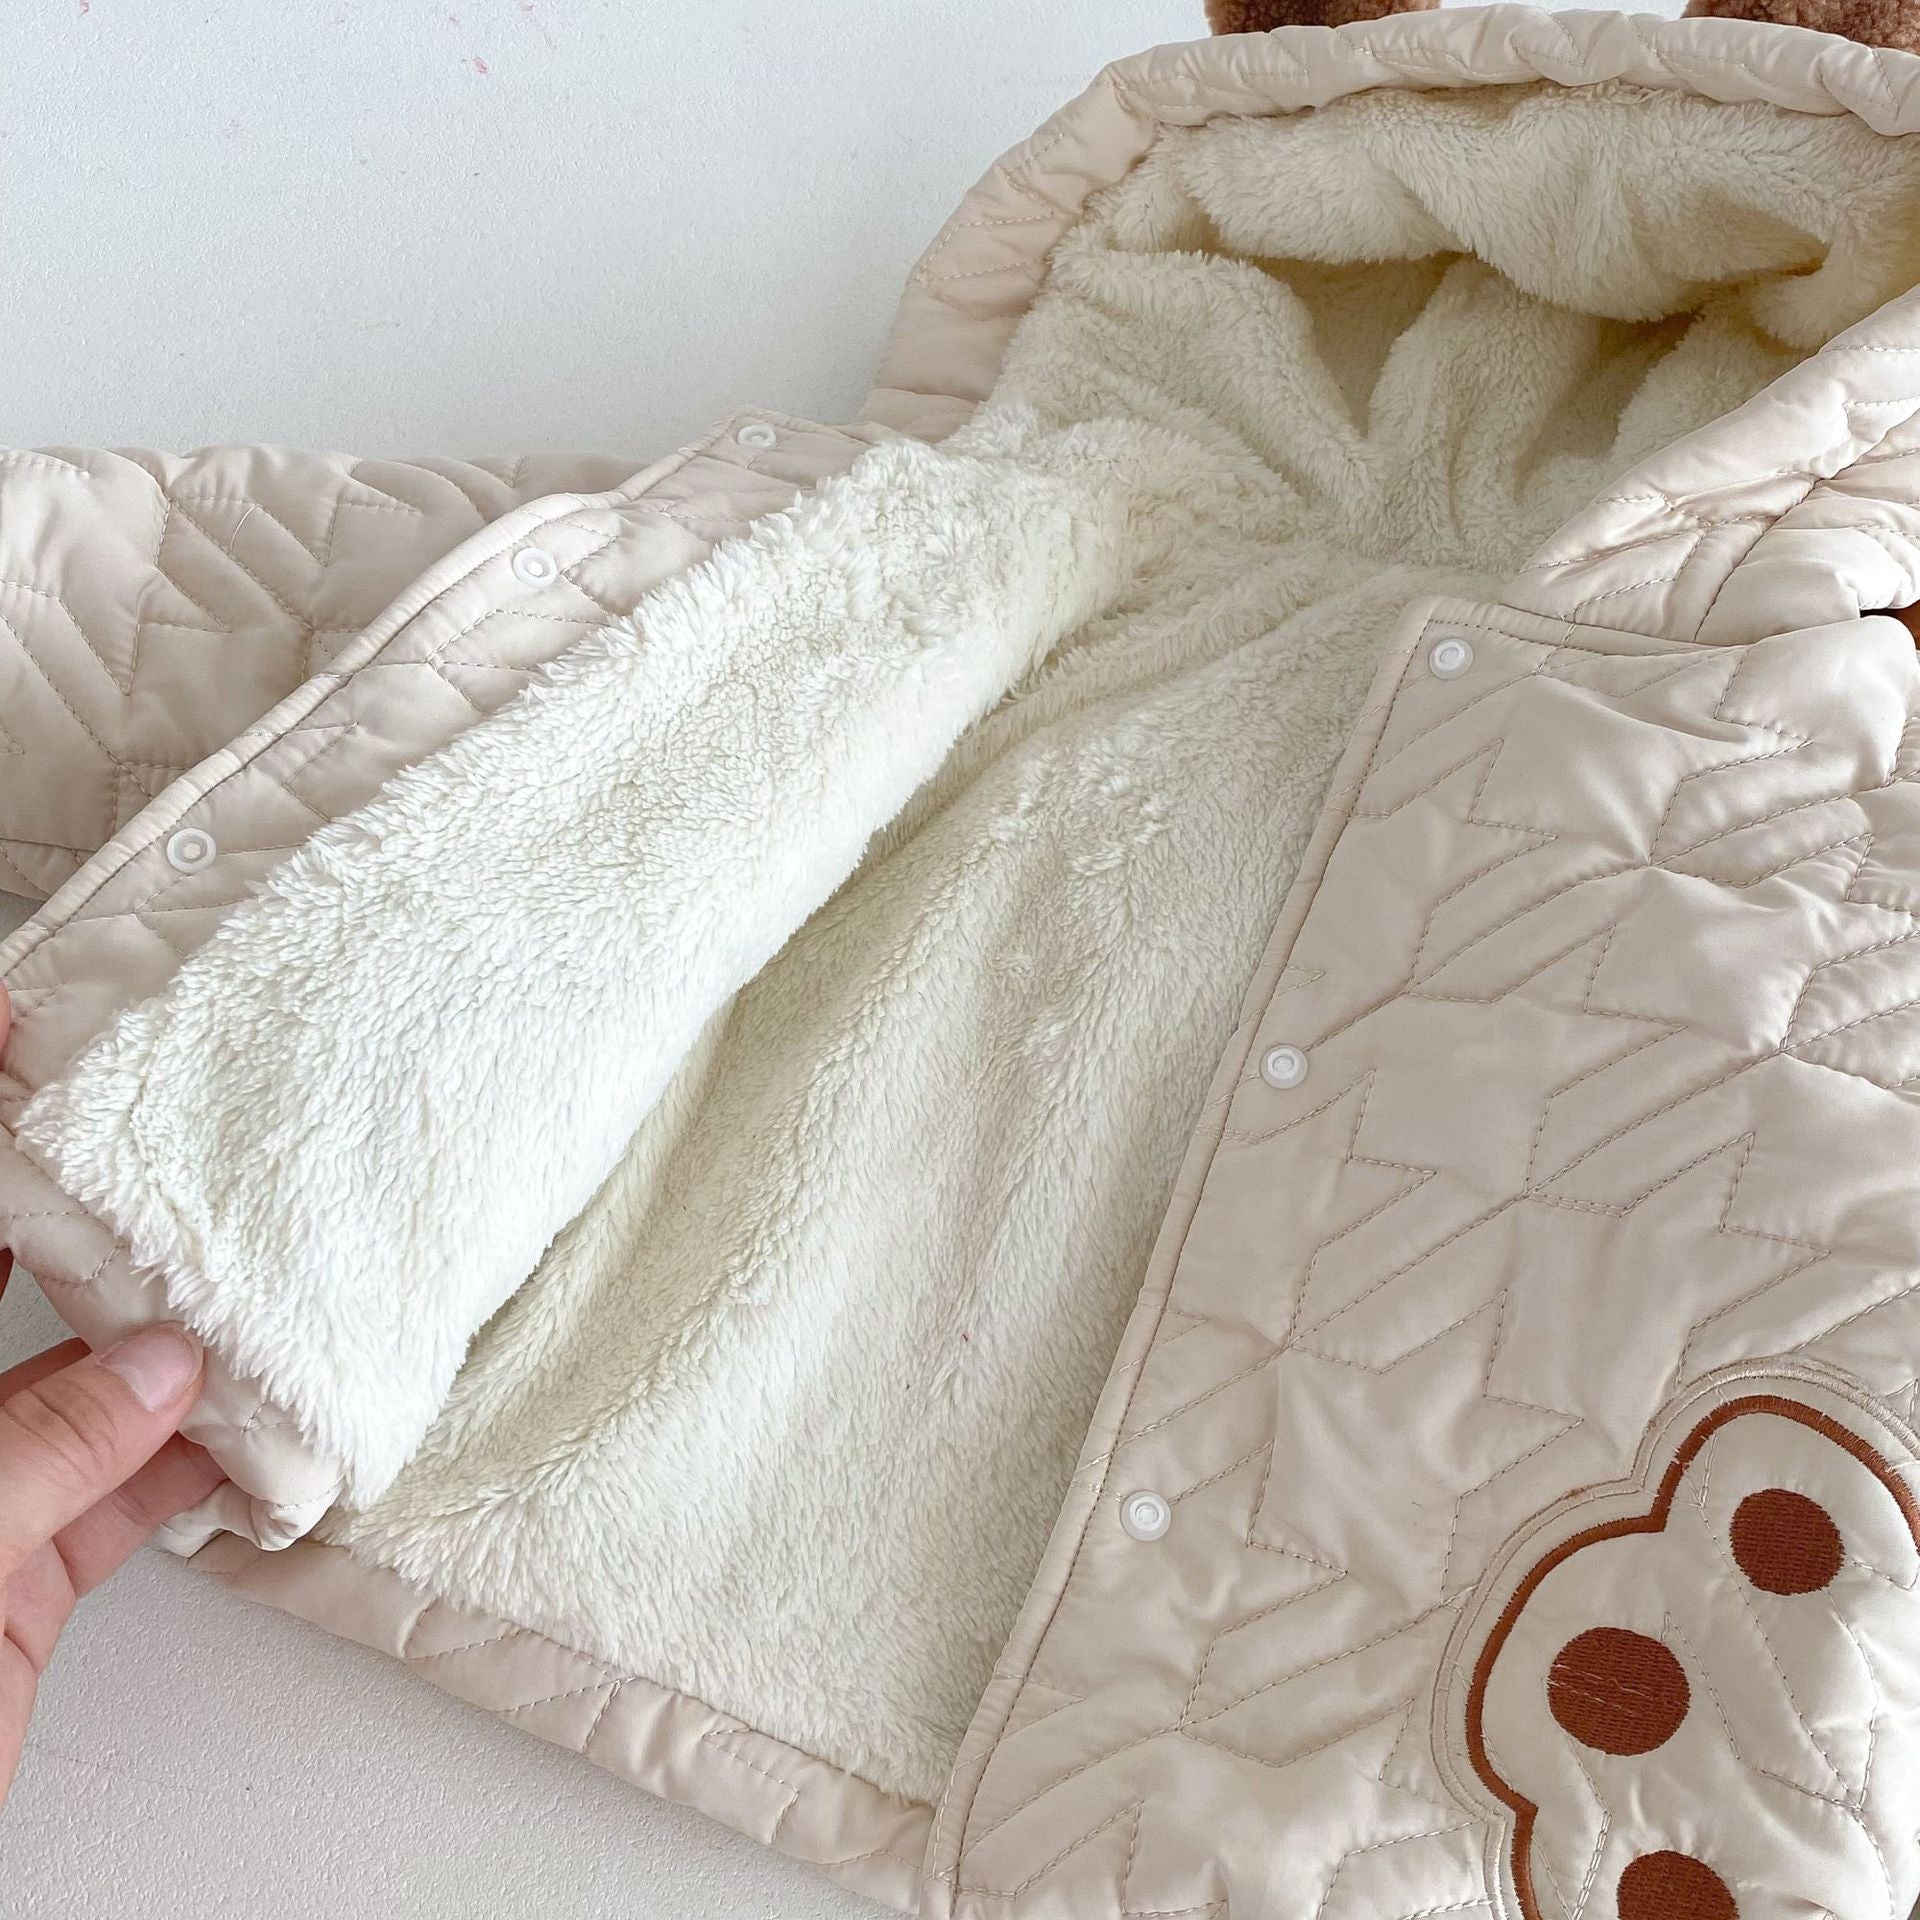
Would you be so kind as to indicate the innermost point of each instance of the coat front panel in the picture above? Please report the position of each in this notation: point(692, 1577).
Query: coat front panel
point(1591, 1103)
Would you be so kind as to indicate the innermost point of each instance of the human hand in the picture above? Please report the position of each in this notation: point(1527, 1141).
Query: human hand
point(90, 1464)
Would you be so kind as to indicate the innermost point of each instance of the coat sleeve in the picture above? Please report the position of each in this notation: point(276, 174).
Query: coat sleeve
point(532, 928)
point(153, 606)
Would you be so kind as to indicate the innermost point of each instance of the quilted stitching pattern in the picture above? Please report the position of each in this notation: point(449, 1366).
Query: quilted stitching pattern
point(1608, 989)
point(665, 1742)
point(1704, 543)
point(154, 607)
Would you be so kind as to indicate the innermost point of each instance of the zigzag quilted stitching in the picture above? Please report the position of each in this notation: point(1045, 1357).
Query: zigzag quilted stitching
point(861, 1838)
point(376, 710)
point(1414, 1222)
point(104, 631)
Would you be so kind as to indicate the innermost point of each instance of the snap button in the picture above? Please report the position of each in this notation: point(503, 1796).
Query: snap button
point(756, 433)
point(191, 850)
point(1146, 1516)
point(1283, 1067)
point(535, 566)
point(1448, 659)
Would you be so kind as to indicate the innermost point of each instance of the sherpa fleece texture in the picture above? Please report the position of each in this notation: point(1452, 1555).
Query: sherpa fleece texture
point(784, 1414)
point(679, 795)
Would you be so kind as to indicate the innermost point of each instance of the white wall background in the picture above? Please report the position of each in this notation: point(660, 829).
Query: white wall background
point(486, 226)
point(471, 227)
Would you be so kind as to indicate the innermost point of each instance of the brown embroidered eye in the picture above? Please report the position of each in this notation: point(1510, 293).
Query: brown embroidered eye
point(1674, 1886)
point(1786, 1543)
point(1617, 1692)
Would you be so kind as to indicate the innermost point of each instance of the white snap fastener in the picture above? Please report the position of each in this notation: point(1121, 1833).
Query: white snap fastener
point(1283, 1067)
point(536, 566)
point(756, 433)
point(1145, 1515)
point(1448, 659)
point(191, 850)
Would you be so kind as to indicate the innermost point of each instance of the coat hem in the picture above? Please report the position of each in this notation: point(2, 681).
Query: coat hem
point(662, 1741)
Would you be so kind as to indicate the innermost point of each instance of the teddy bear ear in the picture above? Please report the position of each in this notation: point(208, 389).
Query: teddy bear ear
point(1258, 16)
point(1875, 23)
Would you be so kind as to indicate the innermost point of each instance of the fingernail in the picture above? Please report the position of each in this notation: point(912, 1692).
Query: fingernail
point(158, 1363)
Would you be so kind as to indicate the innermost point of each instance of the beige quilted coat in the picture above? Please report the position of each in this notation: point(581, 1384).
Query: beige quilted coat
point(1446, 1394)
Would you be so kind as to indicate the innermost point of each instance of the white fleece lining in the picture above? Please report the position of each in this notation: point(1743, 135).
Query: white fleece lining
point(664, 808)
point(785, 1412)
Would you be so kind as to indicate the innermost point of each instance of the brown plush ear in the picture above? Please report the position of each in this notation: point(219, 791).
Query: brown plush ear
point(1257, 16)
point(1875, 23)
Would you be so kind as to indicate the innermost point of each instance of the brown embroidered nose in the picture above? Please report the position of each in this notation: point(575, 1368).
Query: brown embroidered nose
point(1618, 1692)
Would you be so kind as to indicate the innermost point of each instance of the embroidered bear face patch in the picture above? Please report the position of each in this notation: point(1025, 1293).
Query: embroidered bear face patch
point(1702, 1701)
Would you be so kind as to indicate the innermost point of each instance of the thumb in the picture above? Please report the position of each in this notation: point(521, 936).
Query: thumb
point(69, 1440)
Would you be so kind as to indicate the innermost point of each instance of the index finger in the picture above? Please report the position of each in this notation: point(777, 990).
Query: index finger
point(70, 1439)
point(6, 1024)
